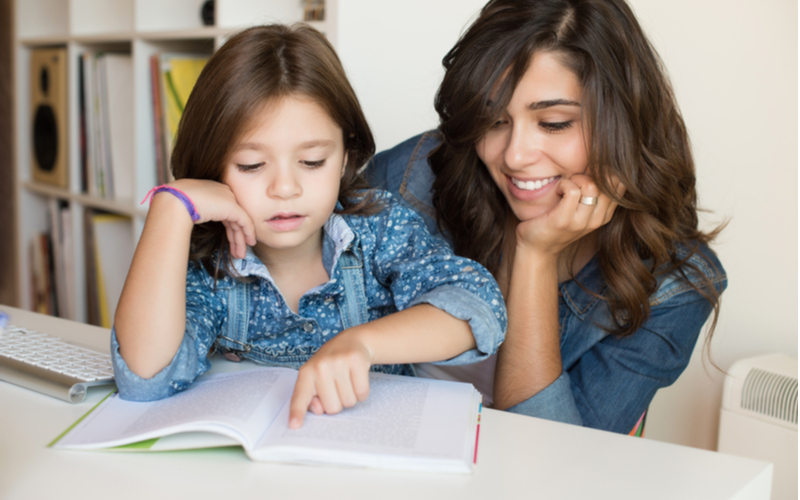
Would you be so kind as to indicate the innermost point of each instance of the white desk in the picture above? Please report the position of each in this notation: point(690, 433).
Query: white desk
point(518, 457)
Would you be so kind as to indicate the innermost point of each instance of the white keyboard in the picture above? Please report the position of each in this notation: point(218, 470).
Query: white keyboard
point(49, 365)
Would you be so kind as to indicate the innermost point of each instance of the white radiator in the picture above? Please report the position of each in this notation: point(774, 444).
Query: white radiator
point(758, 418)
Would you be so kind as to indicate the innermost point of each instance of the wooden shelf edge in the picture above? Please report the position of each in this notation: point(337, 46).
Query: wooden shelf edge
point(125, 207)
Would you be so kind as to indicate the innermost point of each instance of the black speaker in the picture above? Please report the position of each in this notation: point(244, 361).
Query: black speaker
point(49, 116)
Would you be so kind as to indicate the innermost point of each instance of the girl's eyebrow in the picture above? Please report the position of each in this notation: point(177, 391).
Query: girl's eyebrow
point(315, 143)
point(257, 146)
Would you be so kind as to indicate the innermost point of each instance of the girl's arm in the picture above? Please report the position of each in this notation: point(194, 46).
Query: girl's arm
point(150, 319)
point(449, 307)
point(337, 376)
point(530, 358)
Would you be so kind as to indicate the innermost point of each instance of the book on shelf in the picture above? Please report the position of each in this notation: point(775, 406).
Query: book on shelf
point(110, 240)
point(406, 423)
point(106, 118)
point(118, 77)
point(92, 300)
point(60, 229)
point(162, 175)
point(42, 275)
point(177, 74)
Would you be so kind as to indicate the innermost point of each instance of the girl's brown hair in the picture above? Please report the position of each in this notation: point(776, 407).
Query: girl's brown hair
point(252, 69)
point(637, 133)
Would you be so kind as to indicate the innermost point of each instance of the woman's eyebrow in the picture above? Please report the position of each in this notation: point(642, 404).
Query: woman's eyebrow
point(551, 103)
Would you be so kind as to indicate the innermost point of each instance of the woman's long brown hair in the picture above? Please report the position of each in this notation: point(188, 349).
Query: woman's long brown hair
point(636, 129)
point(253, 69)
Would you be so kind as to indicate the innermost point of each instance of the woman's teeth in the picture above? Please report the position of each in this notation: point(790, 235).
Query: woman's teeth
point(532, 185)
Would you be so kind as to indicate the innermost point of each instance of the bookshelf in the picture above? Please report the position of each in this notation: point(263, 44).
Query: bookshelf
point(139, 28)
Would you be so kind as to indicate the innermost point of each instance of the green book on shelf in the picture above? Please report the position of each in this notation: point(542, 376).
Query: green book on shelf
point(179, 73)
point(407, 423)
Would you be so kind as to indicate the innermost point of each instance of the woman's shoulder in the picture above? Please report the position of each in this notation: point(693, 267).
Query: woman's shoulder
point(404, 171)
point(388, 169)
point(700, 268)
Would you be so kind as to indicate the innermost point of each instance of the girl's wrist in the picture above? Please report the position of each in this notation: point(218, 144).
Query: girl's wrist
point(171, 209)
point(179, 195)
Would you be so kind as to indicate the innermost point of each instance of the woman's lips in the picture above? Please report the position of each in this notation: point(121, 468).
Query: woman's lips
point(531, 190)
point(286, 221)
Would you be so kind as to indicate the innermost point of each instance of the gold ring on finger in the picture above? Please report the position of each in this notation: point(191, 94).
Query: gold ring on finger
point(589, 200)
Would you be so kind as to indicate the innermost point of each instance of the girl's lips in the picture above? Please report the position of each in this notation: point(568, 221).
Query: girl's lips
point(528, 195)
point(286, 222)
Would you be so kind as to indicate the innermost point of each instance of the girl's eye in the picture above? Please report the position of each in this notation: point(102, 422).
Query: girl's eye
point(555, 126)
point(314, 164)
point(249, 168)
point(499, 123)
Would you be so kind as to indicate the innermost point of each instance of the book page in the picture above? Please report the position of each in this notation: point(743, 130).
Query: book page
point(238, 404)
point(403, 416)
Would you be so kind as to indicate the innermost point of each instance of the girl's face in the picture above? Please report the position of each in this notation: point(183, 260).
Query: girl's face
point(285, 172)
point(539, 139)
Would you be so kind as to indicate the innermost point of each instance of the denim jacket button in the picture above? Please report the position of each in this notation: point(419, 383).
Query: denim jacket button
point(308, 327)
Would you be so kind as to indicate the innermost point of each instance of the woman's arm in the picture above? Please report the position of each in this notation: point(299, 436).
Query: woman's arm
point(610, 382)
point(150, 319)
point(530, 358)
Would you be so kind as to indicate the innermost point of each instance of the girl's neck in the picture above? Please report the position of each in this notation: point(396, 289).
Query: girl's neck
point(295, 270)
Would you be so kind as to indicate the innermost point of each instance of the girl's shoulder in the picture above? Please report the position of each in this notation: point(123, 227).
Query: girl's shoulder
point(700, 268)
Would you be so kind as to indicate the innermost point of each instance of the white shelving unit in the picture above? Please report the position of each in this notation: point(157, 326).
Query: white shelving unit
point(140, 28)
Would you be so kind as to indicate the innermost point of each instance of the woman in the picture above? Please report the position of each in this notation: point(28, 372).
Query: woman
point(562, 164)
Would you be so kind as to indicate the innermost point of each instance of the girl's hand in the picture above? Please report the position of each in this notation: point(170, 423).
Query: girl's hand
point(336, 377)
point(570, 219)
point(215, 201)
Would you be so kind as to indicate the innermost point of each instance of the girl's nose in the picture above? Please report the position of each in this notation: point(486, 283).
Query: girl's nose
point(284, 184)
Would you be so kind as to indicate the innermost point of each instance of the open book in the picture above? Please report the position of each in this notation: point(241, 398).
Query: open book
point(406, 423)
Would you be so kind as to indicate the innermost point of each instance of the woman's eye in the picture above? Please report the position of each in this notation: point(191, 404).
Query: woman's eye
point(499, 123)
point(250, 167)
point(555, 126)
point(313, 164)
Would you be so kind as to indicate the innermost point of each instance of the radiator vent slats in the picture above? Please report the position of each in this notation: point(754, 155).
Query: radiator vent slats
point(770, 394)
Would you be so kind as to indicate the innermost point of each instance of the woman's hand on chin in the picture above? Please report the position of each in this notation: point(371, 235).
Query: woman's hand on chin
point(581, 210)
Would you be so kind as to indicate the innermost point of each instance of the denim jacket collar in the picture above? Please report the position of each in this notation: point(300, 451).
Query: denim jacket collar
point(336, 238)
point(581, 293)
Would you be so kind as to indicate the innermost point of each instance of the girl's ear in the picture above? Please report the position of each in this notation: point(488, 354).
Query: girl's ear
point(344, 164)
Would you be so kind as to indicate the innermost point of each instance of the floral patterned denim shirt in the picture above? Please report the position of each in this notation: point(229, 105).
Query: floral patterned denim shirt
point(607, 381)
point(402, 265)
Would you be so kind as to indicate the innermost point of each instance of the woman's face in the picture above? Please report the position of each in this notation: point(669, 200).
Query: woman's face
point(539, 139)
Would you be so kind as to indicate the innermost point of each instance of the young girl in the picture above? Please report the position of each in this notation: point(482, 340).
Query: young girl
point(289, 261)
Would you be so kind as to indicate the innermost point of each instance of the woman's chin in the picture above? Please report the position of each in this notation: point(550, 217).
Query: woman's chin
point(525, 212)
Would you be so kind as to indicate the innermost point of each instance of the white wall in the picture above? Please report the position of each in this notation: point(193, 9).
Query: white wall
point(733, 64)
point(734, 67)
point(392, 52)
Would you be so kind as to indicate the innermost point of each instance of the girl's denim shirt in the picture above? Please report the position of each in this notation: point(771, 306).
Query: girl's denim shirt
point(377, 265)
point(608, 381)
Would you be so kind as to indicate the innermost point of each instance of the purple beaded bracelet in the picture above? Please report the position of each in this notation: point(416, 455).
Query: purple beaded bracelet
point(179, 194)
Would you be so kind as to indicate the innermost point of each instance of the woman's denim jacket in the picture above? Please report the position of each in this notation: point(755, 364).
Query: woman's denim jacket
point(607, 382)
point(377, 265)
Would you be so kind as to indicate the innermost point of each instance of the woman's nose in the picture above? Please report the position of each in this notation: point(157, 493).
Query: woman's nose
point(522, 149)
point(284, 184)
